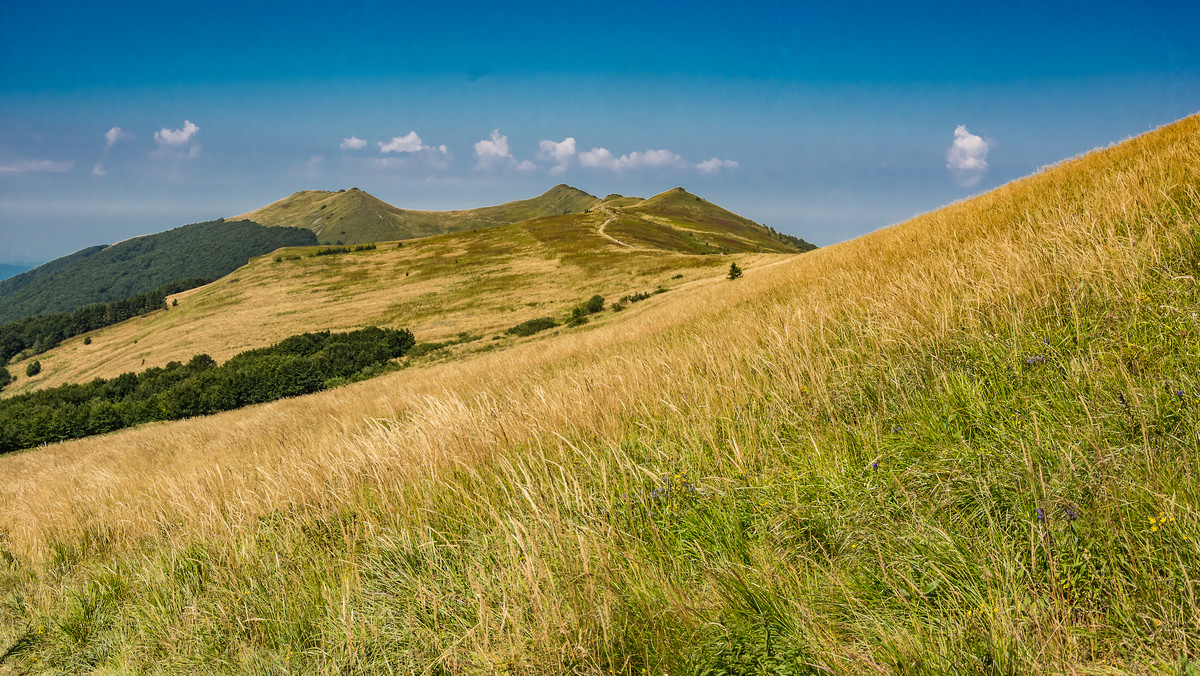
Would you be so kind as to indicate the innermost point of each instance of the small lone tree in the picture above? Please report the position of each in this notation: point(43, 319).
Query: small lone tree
point(34, 368)
point(734, 271)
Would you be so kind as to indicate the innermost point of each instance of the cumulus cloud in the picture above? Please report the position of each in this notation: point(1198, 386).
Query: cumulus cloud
point(115, 134)
point(99, 170)
point(493, 152)
point(602, 158)
point(26, 166)
point(559, 153)
point(180, 142)
point(409, 143)
point(715, 165)
point(353, 143)
point(177, 137)
point(967, 157)
point(410, 153)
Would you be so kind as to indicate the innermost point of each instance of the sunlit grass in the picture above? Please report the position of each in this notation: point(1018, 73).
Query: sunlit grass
point(964, 444)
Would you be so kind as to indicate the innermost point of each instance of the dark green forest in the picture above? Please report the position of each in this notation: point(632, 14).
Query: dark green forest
point(298, 365)
point(35, 335)
point(136, 266)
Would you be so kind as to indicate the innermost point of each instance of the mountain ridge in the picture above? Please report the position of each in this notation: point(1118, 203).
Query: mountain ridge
point(354, 216)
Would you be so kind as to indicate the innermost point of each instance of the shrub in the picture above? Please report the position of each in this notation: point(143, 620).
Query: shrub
point(297, 365)
point(734, 271)
point(87, 340)
point(5, 377)
point(533, 326)
point(595, 304)
point(34, 368)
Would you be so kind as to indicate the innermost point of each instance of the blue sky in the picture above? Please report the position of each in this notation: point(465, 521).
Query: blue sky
point(823, 120)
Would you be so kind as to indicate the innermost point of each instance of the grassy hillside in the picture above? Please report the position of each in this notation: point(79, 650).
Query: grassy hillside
point(718, 226)
point(141, 264)
point(474, 283)
point(963, 444)
point(355, 217)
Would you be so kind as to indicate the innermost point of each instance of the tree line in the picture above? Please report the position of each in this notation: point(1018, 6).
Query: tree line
point(298, 365)
point(141, 264)
point(35, 335)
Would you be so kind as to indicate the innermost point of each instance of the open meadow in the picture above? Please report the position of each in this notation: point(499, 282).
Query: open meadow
point(966, 443)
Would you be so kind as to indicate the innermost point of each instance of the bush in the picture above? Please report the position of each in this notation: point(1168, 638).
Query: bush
point(87, 340)
point(595, 304)
point(532, 326)
point(734, 271)
point(5, 377)
point(297, 365)
point(34, 368)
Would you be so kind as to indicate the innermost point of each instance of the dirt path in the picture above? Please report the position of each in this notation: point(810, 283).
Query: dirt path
point(612, 217)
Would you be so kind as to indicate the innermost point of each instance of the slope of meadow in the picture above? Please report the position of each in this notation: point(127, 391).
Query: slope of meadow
point(963, 444)
point(470, 284)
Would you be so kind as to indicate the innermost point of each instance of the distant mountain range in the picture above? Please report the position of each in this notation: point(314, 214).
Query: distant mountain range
point(355, 217)
point(13, 269)
point(675, 221)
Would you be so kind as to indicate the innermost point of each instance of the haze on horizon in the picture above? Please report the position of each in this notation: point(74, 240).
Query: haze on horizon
point(823, 122)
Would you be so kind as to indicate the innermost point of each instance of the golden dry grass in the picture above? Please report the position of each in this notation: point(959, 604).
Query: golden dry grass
point(706, 373)
point(478, 283)
point(912, 283)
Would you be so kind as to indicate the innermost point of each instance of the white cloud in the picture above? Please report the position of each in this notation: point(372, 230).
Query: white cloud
point(525, 165)
point(113, 135)
point(409, 143)
point(492, 152)
point(99, 170)
point(428, 157)
point(26, 166)
point(967, 157)
point(599, 158)
point(715, 165)
point(178, 142)
point(602, 158)
point(353, 143)
point(559, 153)
point(177, 137)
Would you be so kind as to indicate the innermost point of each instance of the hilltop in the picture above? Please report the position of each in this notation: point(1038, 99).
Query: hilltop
point(356, 217)
point(478, 283)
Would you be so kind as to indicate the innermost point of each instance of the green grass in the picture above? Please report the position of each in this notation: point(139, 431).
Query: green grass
point(1008, 486)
